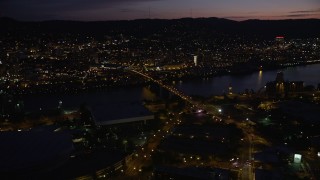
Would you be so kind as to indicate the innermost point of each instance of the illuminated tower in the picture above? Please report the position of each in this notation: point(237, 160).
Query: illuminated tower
point(195, 60)
point(280, 83)
point(280, 41)
point(230, 89)
point(279, 38)
point(60, 104)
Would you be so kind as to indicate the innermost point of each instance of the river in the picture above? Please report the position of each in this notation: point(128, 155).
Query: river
point(310, 74)
point(126, 102)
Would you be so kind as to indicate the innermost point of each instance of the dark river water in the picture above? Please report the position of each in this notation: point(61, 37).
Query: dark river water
point(126, 102)
point(310, 74)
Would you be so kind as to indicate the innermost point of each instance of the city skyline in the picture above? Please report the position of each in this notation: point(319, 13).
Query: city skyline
point(97, 10)
point(159, 89)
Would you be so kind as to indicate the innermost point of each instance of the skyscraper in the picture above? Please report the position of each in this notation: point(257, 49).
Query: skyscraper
point(195, 60)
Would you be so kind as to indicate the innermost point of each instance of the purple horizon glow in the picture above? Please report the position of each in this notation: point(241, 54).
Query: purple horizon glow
point(95, 10)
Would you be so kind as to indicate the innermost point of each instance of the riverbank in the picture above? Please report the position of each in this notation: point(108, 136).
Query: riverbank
point(76, 88)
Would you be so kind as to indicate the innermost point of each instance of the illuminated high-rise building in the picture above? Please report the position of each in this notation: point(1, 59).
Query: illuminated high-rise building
point(280, 38)
point(195, 60)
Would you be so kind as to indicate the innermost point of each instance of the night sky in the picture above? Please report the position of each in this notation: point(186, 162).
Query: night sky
point(92, 10)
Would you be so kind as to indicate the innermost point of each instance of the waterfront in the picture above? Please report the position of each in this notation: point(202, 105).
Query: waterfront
point(118, 102)
point(310, 74)
point(210, 97)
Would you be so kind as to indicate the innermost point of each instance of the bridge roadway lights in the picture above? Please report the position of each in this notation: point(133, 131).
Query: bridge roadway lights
point(171, 89)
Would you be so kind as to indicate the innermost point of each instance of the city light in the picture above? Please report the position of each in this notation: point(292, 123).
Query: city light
point(179, 98)
point(297, 158)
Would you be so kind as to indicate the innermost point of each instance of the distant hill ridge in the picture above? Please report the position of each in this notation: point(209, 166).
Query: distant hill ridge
point(269, 28)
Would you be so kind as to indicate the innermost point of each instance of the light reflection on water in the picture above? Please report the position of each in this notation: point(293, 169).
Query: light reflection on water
point(260, 78)
point(124, 97)
point(310, 74)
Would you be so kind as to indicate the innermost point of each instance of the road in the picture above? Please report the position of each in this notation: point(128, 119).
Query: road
point(247, 170)
point(143, 154)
